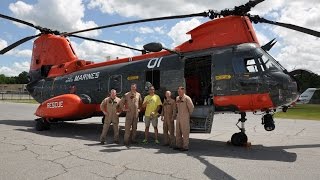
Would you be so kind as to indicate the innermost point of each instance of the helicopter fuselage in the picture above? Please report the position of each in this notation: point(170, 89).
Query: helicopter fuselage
point(236, 78)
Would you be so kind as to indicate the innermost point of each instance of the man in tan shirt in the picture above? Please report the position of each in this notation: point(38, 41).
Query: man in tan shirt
point(167, 116)
point(131, 103)
point(185, 108)
point(109, 107)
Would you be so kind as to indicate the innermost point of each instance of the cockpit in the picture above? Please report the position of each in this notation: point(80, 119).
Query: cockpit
point(256, 61)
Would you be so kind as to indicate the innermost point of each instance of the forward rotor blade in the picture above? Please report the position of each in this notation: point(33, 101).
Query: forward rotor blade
point(203, 14)
point(257, 19)
point(110, 43)
point(8, 48)
point(19, 21)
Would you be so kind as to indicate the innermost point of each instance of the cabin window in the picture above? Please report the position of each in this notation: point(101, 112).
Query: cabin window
point(115, 82)
point(154, 78)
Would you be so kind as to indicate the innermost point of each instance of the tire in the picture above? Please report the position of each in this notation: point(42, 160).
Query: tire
point(239, 139)
point(42, 125)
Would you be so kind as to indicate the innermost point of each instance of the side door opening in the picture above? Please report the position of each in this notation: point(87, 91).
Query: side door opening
point(198, 80)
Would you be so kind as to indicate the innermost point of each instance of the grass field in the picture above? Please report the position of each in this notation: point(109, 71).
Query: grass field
point(301, 111)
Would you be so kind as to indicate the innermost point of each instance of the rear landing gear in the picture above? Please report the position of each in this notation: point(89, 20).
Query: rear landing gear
point(42, 124)
point(240, 138)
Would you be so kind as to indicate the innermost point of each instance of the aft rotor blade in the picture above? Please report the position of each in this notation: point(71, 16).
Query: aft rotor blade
point(289, 26)
point(8, 48)
point(203, 14)
point(19, 21)
point(106, 42)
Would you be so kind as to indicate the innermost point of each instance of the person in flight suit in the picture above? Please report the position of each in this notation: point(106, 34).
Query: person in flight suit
point(109, 107)
point(167, 116)
point(185, 108)
point(152, 103)
point(131, 103)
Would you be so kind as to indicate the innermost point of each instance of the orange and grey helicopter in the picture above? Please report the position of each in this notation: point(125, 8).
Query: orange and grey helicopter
point(222, 66)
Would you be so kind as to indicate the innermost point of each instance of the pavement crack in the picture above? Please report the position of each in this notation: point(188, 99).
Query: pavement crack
point(254, 128)
point(298, 133)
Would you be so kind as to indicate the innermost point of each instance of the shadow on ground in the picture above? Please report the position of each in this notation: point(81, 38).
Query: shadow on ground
point(198, 148)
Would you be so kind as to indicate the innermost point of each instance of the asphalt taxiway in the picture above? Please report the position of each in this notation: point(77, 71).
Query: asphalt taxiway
point(70, 150)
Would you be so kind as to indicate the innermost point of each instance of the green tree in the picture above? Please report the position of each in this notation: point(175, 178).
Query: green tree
point(22, 78)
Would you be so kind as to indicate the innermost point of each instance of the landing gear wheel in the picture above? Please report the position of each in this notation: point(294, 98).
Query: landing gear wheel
point(239, 139)
point(268, 122)
point(42, 125)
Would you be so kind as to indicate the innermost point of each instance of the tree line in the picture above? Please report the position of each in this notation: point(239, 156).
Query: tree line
point(22, 78)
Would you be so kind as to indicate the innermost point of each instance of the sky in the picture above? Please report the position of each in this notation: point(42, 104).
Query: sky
point(294, 50)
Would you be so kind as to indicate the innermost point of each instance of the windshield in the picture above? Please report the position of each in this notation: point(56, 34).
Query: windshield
point(268, 62)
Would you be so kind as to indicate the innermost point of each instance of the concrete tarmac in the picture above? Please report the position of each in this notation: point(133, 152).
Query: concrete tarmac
point(71, 150)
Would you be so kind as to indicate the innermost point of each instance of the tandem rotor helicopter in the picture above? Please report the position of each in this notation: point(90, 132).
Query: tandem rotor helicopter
point(222, 66)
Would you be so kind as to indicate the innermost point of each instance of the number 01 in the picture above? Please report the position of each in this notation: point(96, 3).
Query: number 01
point(154, 62)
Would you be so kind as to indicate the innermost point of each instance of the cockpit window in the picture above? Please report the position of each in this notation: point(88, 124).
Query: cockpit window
point(251, 65)
point(245, 65)
point(267, 61)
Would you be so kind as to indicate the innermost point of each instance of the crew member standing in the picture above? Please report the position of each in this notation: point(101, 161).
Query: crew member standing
point(167, 116)
point(131, 103)
point(152, 103)
point(185, 108)
point(109, 107)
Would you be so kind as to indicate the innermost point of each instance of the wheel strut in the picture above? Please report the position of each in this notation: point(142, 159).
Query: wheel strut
point(240, 138)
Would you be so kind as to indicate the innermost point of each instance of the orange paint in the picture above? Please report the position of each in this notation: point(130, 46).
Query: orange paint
point(65, 106)
point(250, 102)
point(221, 32)
point(51, 49)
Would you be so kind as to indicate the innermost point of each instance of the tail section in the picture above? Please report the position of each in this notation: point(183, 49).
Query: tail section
point(306, 96)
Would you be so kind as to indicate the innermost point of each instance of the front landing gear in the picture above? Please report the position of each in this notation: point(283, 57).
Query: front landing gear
point(42, 124)
point(268, 122)
point(240, 138)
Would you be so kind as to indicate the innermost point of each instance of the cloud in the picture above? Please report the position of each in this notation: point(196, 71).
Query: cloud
point(157, 8)
point(3, 44)
point(138, 39)
point(179, 30)
point(15, 69)
point(261, 38)
point(299, 50)
point(98, 52)
point(15, 52)
point(20, 53)
point(55, 14)
point(144, 29)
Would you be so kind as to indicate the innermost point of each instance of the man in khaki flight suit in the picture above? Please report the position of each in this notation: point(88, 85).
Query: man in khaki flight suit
point(131, 103)
point(167, 116)
point(109, 107)
point(185, 108)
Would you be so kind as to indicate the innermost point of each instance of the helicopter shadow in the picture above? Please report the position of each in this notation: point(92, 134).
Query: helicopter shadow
point(198, 147)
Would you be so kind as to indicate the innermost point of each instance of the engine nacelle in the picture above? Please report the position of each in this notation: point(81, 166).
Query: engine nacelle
point(67, 106)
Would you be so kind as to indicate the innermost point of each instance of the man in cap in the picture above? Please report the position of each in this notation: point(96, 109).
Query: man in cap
point(109, 107)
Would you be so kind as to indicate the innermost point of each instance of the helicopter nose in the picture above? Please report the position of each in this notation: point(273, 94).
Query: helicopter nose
point(283, 90)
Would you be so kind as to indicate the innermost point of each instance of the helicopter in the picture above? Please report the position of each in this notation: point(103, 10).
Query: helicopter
point(223, 68)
